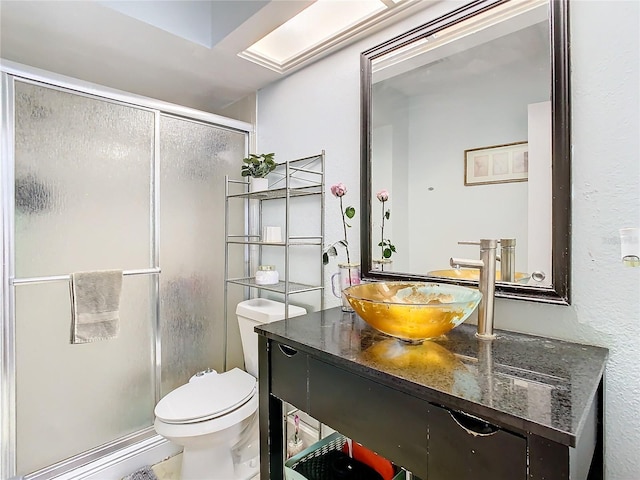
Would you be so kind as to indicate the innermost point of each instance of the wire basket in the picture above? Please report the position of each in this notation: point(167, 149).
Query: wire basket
point(313, 456)
point(313, 461)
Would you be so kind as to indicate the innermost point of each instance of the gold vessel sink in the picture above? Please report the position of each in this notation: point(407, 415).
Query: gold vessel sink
point(412, 311)
point(473, 274)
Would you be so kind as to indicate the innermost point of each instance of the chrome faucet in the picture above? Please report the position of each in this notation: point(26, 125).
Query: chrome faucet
point(487, 283)
point(507, 259)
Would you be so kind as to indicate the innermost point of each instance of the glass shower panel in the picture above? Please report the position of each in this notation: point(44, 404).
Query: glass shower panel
point(82, 182)
point(194, 158)
point(71, 398)
point(82, 202)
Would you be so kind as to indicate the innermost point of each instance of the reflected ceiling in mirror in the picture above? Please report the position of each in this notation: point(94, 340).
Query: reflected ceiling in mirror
point(465, 135)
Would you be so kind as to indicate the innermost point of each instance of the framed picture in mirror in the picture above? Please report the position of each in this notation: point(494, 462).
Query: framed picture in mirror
point(496, 164)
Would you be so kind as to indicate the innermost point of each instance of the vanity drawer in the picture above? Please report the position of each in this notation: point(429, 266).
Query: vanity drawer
point(465, 447)
point(385, 420)
point(289, 375)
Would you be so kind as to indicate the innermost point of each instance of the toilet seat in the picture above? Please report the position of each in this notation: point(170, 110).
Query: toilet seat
point(211, 396)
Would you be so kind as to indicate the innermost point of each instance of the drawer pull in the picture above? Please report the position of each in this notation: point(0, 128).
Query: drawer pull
point(473, 425)
point(287, 351)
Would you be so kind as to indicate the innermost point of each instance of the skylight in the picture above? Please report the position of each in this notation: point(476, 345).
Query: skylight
point(322, 25)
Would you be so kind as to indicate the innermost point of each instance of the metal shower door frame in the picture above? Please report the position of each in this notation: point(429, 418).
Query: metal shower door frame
point(9, 72)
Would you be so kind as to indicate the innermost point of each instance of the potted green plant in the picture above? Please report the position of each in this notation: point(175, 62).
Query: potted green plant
point(257, 167)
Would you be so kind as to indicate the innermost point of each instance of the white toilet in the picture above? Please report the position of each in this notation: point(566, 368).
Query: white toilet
point(215, 415)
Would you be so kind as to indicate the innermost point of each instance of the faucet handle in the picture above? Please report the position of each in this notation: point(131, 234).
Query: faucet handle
point(507, 242)
point(484, 243)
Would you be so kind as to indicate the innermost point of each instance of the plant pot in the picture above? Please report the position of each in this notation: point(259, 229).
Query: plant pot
point(258, 184)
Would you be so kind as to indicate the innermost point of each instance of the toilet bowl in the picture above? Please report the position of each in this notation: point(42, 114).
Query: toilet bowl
point(210, 416)
point(214, 416)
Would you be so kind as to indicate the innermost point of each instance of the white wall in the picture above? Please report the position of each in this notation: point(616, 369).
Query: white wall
point(243, 110)
point(187, 19)
point(319, 108)
point(539, 214)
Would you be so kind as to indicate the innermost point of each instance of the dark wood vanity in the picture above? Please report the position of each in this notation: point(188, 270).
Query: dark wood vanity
point(517, 407)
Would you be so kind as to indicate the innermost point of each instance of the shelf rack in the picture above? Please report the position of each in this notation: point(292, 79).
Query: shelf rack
point(294, 179)
point(302, 177)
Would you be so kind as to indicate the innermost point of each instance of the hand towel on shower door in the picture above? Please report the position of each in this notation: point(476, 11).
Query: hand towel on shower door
point(95, 305)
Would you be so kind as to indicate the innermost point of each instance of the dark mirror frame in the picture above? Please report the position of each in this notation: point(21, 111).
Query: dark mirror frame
point(559, 291)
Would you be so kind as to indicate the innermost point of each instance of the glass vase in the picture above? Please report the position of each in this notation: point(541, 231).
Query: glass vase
point(348, 275)
point(381, 264)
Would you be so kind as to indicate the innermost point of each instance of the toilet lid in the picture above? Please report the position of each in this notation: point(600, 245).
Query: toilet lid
point(209, 397)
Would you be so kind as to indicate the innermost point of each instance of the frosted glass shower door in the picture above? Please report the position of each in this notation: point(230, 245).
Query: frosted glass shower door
point(83, 171)
point(194, 158)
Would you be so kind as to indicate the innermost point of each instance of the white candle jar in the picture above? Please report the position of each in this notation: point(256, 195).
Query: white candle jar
point(267, 275)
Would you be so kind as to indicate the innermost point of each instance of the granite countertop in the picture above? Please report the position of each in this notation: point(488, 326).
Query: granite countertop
point(520, 381)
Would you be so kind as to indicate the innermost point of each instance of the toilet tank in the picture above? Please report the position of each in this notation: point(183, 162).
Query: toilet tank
point(255, 312)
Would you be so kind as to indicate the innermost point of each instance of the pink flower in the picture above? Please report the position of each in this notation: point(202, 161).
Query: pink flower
point(383, 195)
point(387, 248)
point(338, 190)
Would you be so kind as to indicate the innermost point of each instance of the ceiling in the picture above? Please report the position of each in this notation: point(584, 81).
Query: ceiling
point(184, 52)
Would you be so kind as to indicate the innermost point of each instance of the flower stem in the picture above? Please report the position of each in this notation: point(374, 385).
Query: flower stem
point(346, 247)
point(382, 233)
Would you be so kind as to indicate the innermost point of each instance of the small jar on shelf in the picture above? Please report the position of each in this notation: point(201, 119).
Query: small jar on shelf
point(267, 275)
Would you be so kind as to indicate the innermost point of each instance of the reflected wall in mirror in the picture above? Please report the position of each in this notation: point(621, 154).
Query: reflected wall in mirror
point(466, 136)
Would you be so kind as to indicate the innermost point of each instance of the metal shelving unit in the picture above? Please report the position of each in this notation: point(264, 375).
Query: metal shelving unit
point(294, 180)
point(303, 177)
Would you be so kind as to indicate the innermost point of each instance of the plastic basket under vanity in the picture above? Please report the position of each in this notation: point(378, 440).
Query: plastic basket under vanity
point(315, 460)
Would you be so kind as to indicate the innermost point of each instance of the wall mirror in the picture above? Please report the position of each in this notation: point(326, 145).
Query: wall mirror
point(465, 131)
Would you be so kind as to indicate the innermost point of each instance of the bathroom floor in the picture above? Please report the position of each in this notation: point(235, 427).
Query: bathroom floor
point(170, 469)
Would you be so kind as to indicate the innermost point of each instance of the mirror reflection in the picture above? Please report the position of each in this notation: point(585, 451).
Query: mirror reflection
point(461, 146)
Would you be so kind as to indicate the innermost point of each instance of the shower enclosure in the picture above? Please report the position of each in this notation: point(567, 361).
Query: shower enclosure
point(94, 179)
